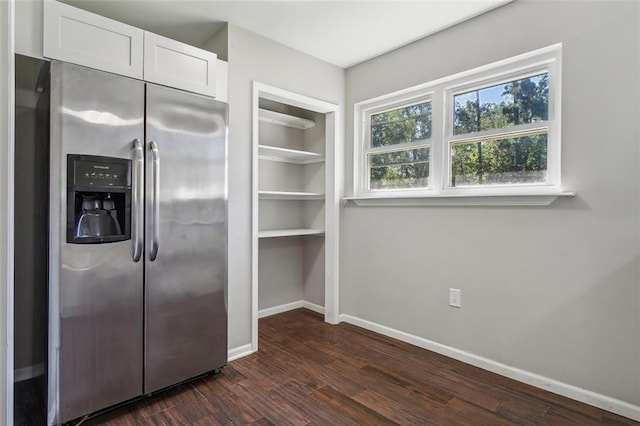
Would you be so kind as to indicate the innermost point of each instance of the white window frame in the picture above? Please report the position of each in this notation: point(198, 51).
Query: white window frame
point(441, 92)
point(367, 149)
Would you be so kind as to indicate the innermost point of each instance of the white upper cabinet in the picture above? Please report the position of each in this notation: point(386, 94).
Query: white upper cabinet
point(80, 37)
point(222, 78)
point(179, 65)
point(84, 38)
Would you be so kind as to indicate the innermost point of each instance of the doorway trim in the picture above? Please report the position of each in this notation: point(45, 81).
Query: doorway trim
point(333, 184)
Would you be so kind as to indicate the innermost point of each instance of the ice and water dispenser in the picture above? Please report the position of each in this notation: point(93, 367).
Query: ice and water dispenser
point(98, 199)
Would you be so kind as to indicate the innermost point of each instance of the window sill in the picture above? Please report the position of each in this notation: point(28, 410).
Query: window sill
point(533, 199)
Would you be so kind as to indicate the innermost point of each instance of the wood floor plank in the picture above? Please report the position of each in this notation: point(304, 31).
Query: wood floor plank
point(229, 408)
point(350, 408)
point(415, 387)
point(467, 390)
point(336, 352)
point(521, 410)
point(556, 415)
point(308, 372)
point(344, 382)
point(414, 399)
point(266, 400)
point(170, 416)
point(614, 419)
point(461, 412)
point(155, 404)
point(192, 405)
point(262, 422)
point(402, 413)
point(313, 409)
point(207, 421)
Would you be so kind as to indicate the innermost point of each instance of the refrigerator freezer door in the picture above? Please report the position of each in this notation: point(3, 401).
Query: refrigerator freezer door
point(96, 290)
point(185, 250)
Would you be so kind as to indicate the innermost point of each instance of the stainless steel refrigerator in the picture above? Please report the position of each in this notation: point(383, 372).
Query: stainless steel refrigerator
point(138, 237)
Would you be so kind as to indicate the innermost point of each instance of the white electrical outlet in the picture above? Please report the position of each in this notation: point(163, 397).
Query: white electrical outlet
point(455, 297)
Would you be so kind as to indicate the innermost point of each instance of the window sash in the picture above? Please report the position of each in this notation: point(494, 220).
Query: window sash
point(368, 150)
point(457, 89)
point(498, 136)
point(396, 148)
point(549, 126)
point(499, 79)
point(388, 107)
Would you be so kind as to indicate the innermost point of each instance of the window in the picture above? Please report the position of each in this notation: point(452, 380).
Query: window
point(499, 133)
point(398, 155)
point(486, 131)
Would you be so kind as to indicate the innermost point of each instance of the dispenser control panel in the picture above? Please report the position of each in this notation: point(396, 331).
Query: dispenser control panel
point(93, 173)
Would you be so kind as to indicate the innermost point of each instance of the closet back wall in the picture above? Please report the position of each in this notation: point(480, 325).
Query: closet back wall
point(291, 269)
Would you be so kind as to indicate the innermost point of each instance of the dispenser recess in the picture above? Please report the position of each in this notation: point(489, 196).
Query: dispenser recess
point(98, 199)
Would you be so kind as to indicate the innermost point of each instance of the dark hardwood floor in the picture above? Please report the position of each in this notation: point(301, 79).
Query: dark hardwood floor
point(311, 373)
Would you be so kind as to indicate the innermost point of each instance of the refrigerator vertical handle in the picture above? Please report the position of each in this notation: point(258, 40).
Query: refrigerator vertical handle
point(137, 210)
point(155, 208)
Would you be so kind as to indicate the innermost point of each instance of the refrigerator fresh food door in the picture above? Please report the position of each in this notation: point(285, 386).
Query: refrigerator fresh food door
point(96, 290)
point(185, 248)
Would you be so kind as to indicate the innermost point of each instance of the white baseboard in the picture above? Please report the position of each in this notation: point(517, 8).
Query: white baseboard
point(583, 395)
point(313, 307)
point(280, 309)
point(289, 307)
point(239, 352)
point(28, 372)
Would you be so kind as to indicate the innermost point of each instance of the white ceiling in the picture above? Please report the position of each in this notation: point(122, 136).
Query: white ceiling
point(343, 33)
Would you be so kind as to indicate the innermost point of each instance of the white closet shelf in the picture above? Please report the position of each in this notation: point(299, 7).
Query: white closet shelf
point(275, 153)
point(289, 195)
point(285, 119)
point(289, 232)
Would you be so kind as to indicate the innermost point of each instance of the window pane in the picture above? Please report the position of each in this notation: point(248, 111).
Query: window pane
point(517, 102)
point(399, 169)
point(500, 161)
point(403, 125)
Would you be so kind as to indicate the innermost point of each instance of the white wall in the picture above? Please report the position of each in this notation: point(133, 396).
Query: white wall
point(6, 195)
point(552, 290)
point(255, 58)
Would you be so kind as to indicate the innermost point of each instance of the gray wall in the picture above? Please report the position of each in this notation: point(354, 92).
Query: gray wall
point(551, 290)
point(281, 266)
point(255, 58)
point(219, 44)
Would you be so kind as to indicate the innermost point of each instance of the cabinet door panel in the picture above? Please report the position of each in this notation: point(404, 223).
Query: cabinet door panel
point(80, 37)
point(174, 64)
